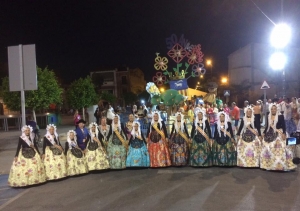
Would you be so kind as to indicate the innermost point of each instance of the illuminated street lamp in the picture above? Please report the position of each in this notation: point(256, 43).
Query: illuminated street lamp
point(280, 38)
point(209, 63)
point(224, 80)
point(277, 61)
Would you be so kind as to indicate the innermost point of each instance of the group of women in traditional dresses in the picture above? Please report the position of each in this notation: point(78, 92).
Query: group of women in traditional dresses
point(116, 147)
point(268, 150)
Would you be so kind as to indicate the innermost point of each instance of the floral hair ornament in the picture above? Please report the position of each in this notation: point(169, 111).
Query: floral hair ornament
point(51, 125)
point(25, 127)
point(93, 124)
point(71, 131)
point(248, 108)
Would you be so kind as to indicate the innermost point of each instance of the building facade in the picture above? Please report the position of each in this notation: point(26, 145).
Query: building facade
point(249, 66)
point(120, 81)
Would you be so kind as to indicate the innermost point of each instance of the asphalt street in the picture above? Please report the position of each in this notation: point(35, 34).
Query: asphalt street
point(226, 189)
point(185, 188)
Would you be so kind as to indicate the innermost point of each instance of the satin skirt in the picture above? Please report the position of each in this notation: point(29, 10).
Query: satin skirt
point(179, 151)
point(277, 156)
point(26, 171)
point(201, 154)
point(116, 156)
point(97, 159)
point(55, 165)
point(224, 155)
point(248, 153)
point(138, 157)
point(76, 166)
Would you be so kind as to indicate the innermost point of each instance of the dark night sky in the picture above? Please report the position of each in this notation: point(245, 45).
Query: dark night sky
point(76, 38)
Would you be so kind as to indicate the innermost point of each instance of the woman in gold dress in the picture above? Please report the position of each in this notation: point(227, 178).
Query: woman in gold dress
point(53, 156)
point(76, 162)
point(275, 154)
point(104, 129)
point(27, 167)
point(95, 152)
point(129, 126)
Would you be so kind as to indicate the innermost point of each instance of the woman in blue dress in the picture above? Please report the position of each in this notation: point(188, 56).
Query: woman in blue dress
point(138, 155)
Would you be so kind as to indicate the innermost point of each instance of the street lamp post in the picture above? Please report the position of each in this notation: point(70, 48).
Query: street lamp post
point(280, 37)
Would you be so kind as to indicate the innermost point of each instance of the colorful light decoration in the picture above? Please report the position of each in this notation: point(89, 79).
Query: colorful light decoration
point(177, 53)
point(195, 55)
point(179, 49)
point(198, 69)
point(159, 79)
point(161, 63)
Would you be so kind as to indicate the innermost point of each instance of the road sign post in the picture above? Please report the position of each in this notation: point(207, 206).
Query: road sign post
point(22, 71)
point(265, 86)
point(227, 94)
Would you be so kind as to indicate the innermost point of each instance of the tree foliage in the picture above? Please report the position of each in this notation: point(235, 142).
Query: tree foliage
point(48, 92)
point(82, 93)
point(109, 97)
point(11, 99)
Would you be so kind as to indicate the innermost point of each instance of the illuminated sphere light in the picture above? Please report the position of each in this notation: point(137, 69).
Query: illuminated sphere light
point(281, 35)
point(277, 61)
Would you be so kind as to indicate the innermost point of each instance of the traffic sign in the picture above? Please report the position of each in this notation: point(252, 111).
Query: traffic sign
point(265, 85)
point(226, 93)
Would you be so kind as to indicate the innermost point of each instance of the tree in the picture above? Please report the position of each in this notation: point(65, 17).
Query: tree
point(130, 98)
point(11, 99)
point(48, 92)
point(109, 97)
point(82, 94)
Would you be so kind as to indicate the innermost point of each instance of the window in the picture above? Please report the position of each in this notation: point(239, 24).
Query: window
point(124, 79)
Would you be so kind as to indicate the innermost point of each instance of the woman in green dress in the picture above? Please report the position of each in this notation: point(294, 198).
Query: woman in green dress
point(117, 145)
point(224, 146)
point(201, 141)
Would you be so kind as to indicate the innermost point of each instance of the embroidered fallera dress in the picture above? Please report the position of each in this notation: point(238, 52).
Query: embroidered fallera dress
point(275, 155)
point(248, 146)
point(179, 146)
point(223, 150)
point(104, 134)
point(96, 155)
point(55, 159)
point(29, 169)
point(76, 162)
point(157, 146)
point(128, 129)
point(201, 154)
point(116, 149)
point(138, 155)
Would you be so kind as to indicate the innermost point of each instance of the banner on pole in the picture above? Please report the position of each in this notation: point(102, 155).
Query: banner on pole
point(179, 84)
